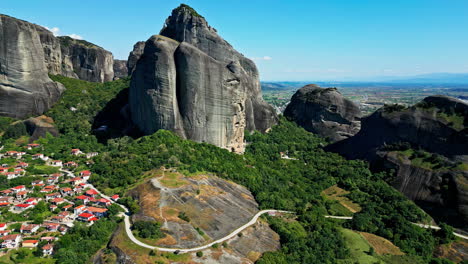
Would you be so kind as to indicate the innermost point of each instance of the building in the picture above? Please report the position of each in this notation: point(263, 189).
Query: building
point(29, 229)
point(37, 182)
point(91, 155)
point(104, 202)
point(77, 180)
point(3, 226)
point(48, 249)
point(99, 212)
point(38, 156)
point(21, 195)
point(30, 243)
point(115, 197)
point(52, 227)
point(11, 241)
point(79, 209)
point(23, 207)
point(57, 201)
point(18, 188)
point(71, 164)
point(67, 191)
point(91, 193)
point(53, 195)
point(56, 163)
point(87, 217)
point(34, 145)
point(76, 152)
point(22, 165)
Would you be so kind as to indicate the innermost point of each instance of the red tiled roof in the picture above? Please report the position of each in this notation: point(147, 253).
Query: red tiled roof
point(48, 247)
point(91, 192)
point(23, 205)
point(30, 241)
point(96, 209)
point(10, 237)
point(86, 215)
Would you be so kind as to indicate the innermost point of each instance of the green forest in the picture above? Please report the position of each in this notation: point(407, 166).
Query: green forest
point(276, 183)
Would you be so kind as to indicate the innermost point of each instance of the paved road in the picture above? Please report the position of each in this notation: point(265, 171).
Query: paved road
point(180, 250)
point(420, 225)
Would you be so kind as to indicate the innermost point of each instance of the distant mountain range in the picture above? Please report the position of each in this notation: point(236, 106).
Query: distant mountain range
point(428, 79)
point(448, 78)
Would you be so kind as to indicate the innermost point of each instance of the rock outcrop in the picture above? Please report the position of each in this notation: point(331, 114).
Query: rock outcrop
point(134, 56)
point(25, 87)
point(191, 81)
point(40, 126)
point(324, 111)
point(76, 58)
point(120, 69)
point(438, 124)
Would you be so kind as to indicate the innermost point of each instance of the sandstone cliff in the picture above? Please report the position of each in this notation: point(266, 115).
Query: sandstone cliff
point(25, 87)
point(324, 111)
point(191, 81)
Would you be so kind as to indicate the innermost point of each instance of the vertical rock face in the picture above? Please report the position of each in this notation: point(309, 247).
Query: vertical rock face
point(134, 56)
point(25, 87)
point(120, 69)
point(324, 111)
point(189, 80)
point(186, 25)
point(88, 61)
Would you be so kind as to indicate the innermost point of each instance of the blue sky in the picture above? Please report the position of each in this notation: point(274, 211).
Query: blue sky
point(289, 39)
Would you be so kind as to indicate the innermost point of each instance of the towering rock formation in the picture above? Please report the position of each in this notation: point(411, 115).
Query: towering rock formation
point(29, 52)
point(191, 81)
point(134, 56)
point(324, 111)
point(25, 87)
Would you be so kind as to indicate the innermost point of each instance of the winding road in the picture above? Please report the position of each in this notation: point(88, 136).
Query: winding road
point(252, 221)
point(128, 225)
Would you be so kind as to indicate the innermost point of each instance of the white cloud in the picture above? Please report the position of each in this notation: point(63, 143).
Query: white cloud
point(54, 30)
point(264, 58)
point(75, 36)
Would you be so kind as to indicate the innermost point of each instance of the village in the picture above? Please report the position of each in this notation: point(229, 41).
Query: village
point(52, 197)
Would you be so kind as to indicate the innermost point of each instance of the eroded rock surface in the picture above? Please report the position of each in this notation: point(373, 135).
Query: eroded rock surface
point(191, 81)
point(324, 111)
point(25, 87)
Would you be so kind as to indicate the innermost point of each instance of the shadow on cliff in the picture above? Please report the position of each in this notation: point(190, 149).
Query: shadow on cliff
point(114, 120)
